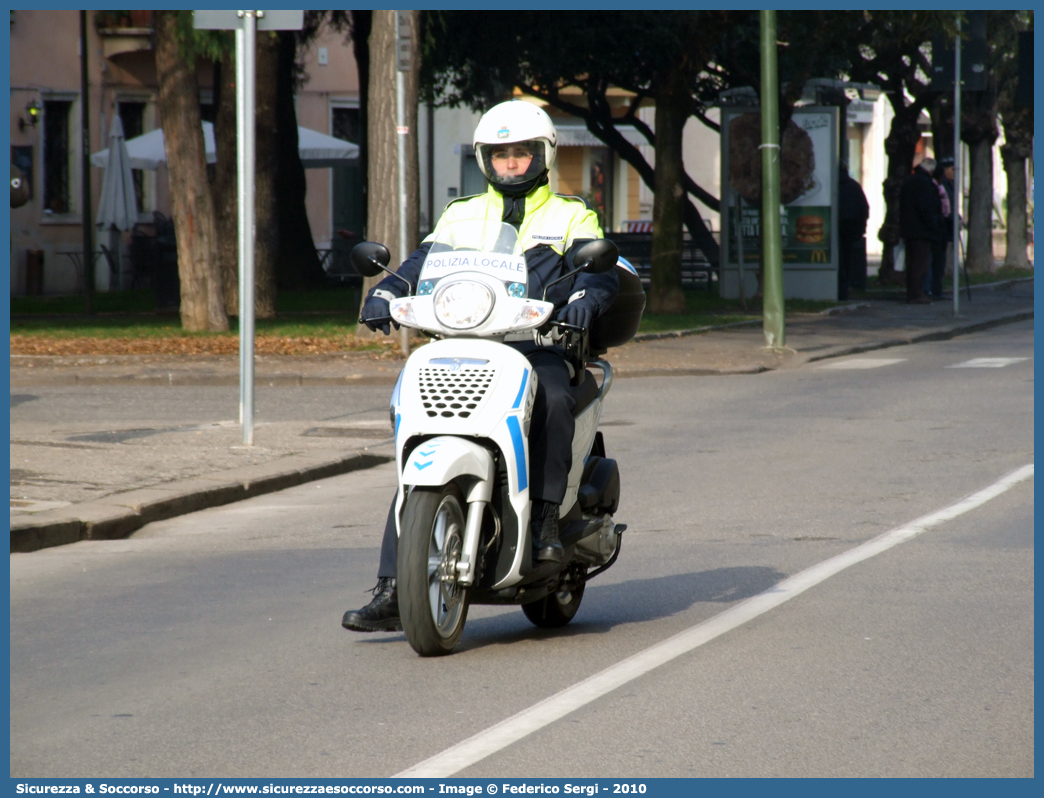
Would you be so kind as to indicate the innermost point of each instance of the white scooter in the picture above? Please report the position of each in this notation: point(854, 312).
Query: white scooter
point(461, 412)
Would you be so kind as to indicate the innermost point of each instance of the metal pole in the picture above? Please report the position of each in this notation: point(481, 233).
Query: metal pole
point(739, 249)
point(402, 131)
point(246, 202)
point(85, 128)
point(772, 256)
point(957, 189)
point(241, 226)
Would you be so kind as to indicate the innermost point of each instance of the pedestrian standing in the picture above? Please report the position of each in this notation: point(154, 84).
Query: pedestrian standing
point(944, 179)
point(920, 224)
point(853, 211)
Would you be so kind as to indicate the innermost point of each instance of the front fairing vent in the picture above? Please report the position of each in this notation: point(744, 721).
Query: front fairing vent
point(454, 393)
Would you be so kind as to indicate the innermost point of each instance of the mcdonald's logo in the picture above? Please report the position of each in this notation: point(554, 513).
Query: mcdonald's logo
point(819, 256)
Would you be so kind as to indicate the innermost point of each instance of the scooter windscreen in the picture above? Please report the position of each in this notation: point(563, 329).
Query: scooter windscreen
point(473, 281)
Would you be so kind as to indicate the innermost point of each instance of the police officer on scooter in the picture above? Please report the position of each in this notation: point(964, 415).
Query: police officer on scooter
point(515, 144)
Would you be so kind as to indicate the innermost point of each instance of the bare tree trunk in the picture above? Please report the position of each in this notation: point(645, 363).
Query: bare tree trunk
point(412, 87)
point(226, 198)
point(266, 239)
point(980, 207)
point(1017, 147)
point(1015, 169)
point(382, 178)
point(202, 300)
point(360, 32)
point(979, 131)
point(665, 290)
point(298, 261)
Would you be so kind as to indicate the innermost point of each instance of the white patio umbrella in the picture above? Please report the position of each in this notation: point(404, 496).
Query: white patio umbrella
point(317, 150)
point(118, 208)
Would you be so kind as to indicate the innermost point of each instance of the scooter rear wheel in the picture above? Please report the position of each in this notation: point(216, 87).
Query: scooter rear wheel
point(432, 604)
point(555, 610)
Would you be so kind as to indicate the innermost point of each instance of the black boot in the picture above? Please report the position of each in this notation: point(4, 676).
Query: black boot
point(544, 524)
point(381, 614)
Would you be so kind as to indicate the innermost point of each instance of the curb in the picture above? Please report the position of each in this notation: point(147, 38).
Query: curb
point(692, 372)
point(222, 380)
point(120, 514)
point(694, 331)
point(997, 286)
point(943, 334)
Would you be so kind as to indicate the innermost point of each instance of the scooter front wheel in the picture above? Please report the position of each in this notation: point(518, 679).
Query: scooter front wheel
point(432, 603)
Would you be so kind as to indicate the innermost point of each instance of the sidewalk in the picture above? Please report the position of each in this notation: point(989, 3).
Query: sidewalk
point(168, 472)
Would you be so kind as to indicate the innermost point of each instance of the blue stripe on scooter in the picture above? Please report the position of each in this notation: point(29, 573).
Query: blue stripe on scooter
point(521, 390)
point(520, 452)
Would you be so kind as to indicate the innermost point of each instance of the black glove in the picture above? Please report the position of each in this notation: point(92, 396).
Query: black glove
point(376, 308)
point(579, 313)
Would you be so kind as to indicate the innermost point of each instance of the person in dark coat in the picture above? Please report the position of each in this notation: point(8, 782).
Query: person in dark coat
point(853, 211)
point(943, 177)
point(920, 224)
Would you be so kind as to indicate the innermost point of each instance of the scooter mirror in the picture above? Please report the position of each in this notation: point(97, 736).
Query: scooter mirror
point(370, 258)
point(597, 256)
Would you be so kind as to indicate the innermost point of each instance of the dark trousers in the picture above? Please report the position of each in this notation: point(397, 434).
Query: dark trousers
point(938, 269)
point(550, 442)
point(851, 250)
point(918, 261)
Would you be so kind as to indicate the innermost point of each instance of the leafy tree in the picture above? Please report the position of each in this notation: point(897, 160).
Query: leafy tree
point(679, 60)
point(382, 168)
point(298, 260)
point(656, 56)
point(286, 257)
point(980, 130)
point(811, 44)
point(1017, 148)
point(355, 25)
point(892, 49)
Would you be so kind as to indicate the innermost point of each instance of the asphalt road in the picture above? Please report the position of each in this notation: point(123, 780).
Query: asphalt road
point(210, 645)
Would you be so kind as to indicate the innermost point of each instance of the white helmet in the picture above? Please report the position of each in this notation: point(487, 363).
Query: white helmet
point(516, 122)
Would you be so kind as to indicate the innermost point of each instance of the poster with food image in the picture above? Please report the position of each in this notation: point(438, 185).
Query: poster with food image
point(807, 177)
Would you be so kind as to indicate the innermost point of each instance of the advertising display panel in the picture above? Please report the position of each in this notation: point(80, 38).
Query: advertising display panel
point(808, 193)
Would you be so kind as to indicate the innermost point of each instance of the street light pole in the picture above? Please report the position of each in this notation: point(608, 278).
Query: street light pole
point(246, 25)
point(955, 211)
point(772, 256)
point(246, 230)
point(241, 227)
point(403, 46)
point(85, 130)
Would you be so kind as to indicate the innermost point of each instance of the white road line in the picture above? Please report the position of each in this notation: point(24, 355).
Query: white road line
point(542, 714)
point(987, 363)
point(864, 363)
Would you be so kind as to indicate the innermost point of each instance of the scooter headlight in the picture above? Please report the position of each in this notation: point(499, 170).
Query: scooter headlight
point(463, 305)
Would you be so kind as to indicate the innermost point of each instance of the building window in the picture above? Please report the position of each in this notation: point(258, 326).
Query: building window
point(56, 160)
point(132, 115)
point(472, 181)
point(347, 124)
point(349, 182)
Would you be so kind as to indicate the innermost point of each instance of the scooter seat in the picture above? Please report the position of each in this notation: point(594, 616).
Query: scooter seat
point(585, 393)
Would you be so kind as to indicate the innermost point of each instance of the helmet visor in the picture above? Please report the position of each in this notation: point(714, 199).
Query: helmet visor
point(510, 163)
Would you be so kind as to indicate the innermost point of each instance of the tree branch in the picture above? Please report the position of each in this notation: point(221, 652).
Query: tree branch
point(707, 121)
